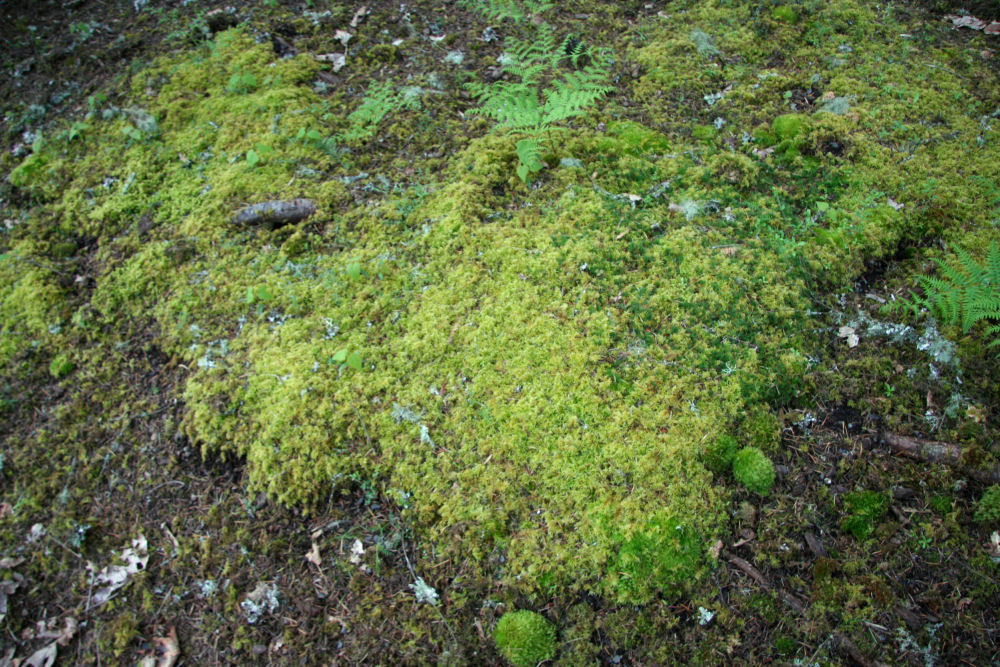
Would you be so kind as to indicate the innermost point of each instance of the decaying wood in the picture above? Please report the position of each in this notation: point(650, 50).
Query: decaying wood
point(840, 641)
point(276, 213)
point(762, 581)
point(933, 451)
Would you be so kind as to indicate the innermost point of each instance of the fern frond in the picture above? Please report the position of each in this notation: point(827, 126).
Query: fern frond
point(498, 10)
point(570, 96)
point(512, 105)
point(965, 291)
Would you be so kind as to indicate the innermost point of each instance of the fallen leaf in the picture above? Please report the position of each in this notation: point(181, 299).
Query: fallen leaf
point(896, 205)
point(848, 333)
point(343, 37)
point(359, 16)
point(114, 577)
point(993, 28)
point(357, 552)
point(171, 648)
point(966, 22)
point(10, 563)
point(62, 636)
point(6, 508)
point(43, 657)
point(8, 588)
point(337, 60)
point(313, 555)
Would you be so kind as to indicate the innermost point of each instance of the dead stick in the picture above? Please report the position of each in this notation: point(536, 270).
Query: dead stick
point(762, 581)
point(843, 642)
point(933, 451)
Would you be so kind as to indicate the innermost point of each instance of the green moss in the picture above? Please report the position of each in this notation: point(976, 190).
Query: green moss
point(762, 429)
point(941, 504)
point(525, 638)
point(754, 470)
point(789, 126)
point(704, 132)
point(988, 507)
point(61, 366)
point(785, 14)
point(719, 453)
point(864, 510)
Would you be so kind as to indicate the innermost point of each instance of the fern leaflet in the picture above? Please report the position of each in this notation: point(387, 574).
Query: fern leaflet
point(964, 292)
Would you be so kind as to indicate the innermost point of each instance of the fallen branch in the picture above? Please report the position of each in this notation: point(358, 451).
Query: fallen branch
point(933, 451)
point(762, 581)
point(275, 213)
point(840, 641)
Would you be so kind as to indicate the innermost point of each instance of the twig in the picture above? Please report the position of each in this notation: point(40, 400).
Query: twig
point(841, 641)
point(762, 581)
point(933, 451)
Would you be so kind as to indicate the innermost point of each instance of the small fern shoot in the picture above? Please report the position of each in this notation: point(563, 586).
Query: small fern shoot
point(965, 292)
point(381, 99)
point(544, 95)
point(498, 10)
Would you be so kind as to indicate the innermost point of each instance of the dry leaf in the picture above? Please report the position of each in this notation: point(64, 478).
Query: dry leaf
point(43, 657)
point(848, 333)
point(313, 555)
point(343, 37)
point(171, 648)
point(114, 577)
point(896, 205)
point(359, 16)
point(6, 508)
point(966, 22)
point(337, 60)
point(357, 552)
point(992, 28)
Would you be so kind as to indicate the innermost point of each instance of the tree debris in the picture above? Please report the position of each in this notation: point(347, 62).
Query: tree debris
point(933, 451)
point(275, 213)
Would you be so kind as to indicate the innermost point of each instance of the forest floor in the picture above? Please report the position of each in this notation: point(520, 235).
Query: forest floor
point(133, 528)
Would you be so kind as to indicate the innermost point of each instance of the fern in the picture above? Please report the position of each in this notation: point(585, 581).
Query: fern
point(498, 10)
point(381, 100)
point(544, 95)
point(964, 293)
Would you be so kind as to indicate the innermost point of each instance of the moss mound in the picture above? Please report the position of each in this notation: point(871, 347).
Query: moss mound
point(525, 638)
point(754, 470)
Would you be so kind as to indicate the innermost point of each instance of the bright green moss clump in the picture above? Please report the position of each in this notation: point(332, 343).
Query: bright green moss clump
point(988, 507)
point(754, 470)
point(61, 366)
point(719, 453)
point(525, 638)
point(864, 510)
point(762, 429)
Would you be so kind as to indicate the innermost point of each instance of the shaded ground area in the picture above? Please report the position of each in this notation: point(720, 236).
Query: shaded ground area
point(858, 556)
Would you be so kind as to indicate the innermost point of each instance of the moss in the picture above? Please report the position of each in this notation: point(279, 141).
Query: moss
point(704, 132)
point(719, 453)
point(988, 507)
point(864, 510)
point(61, 366)
point(762, 429)
point(789, 126)
point(785, 14)
point(754, 470)
point(525, 638)
point(941, 504)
